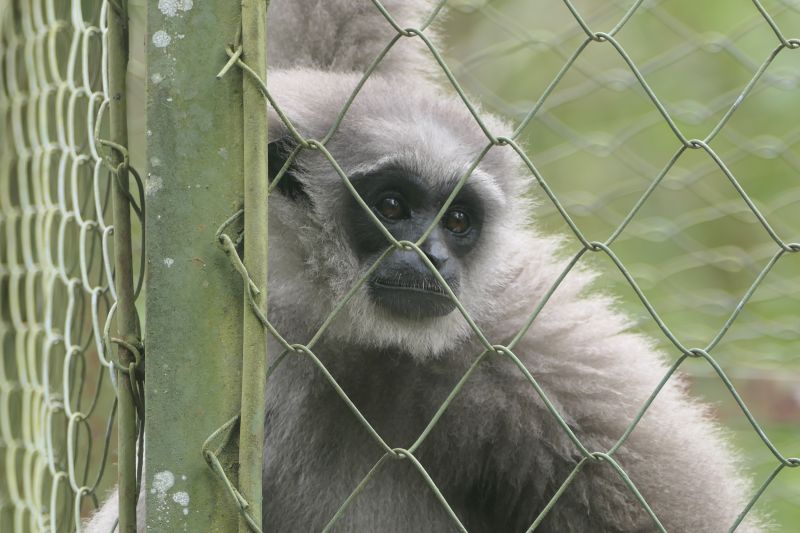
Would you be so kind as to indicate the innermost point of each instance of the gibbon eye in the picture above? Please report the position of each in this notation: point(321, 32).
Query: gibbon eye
point(456, 221)
point(392, 208)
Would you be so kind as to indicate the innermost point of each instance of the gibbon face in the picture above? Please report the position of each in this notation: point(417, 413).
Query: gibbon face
point(404, 155)
point(407, 205)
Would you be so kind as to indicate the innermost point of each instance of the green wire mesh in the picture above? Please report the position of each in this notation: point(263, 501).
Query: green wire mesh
point(56, 251)
point(57, 295)
point(694, 247)
point(588, 38)
point(697, 58)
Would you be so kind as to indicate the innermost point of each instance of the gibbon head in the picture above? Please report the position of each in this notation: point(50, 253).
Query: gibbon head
point(403, 146)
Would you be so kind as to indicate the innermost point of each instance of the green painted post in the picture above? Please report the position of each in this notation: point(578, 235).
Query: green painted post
point(254, 360)
point(127, 321)
point(194, 296)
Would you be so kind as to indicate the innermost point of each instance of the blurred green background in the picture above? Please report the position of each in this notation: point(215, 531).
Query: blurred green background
point(695, 247)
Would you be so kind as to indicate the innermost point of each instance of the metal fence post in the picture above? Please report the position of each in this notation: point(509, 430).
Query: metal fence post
point(254, 361)
point(194, 297)
point(127, 321)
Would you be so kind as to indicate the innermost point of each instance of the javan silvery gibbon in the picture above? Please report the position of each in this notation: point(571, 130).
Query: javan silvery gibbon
point(400, 344)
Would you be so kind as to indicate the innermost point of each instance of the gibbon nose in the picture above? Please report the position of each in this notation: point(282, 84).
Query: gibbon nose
point(436, 250)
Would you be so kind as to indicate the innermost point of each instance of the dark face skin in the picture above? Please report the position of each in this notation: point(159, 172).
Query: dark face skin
point(407, 205)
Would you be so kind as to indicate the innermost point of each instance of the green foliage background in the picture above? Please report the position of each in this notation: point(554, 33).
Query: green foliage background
point(695, 247)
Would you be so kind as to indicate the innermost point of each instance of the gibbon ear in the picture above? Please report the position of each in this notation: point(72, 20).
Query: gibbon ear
point(289, 186)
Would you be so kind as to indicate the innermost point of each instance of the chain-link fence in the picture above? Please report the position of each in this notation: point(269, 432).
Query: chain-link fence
point(588, 36)
point(61, 282)
point(697, 58)
point(57, 297)
point(695, 247)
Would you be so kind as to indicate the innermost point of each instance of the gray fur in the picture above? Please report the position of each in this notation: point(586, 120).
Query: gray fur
point(497, 454)
point(348, 35)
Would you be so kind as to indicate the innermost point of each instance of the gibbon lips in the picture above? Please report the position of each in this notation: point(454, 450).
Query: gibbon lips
point(412, 299)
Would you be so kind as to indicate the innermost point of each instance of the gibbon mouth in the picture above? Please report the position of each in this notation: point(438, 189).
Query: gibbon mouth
point(416, 299)
point(431, 287)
